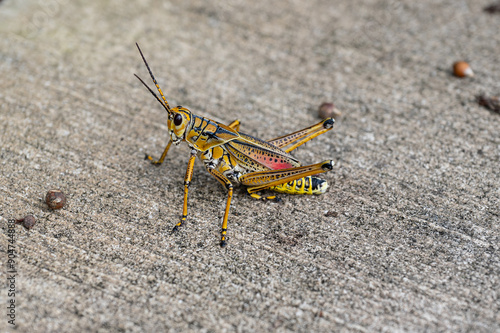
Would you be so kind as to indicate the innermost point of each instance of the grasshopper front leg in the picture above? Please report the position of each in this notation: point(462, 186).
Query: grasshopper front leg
point(187, 182)
point(160, 161)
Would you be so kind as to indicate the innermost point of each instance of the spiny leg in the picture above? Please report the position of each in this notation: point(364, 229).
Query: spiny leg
point(227, 184)
point(187, 182)
point(300, 137)
point(309, 184)
point(305, 185)
point(261, 180)
point(297, 138)
point(160, 161)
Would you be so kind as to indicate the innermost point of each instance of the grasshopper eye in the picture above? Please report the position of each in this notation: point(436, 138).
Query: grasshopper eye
point(177, 119)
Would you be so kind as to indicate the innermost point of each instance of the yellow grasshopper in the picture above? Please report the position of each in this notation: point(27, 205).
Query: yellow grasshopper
point(232, 156)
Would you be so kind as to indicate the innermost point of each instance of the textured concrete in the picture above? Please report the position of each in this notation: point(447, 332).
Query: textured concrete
point(411, 238)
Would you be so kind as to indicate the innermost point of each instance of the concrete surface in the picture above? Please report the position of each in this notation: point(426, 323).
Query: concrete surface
point(406, 239)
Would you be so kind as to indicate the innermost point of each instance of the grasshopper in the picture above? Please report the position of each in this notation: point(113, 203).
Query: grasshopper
point(232, 156)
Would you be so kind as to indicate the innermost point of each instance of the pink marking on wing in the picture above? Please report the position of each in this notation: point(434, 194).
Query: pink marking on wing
point(273, 163)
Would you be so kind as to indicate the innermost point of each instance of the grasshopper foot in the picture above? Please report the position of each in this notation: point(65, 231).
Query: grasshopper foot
point(223, 239)
point(268, 198)
point(149, 157)
point(176, 228)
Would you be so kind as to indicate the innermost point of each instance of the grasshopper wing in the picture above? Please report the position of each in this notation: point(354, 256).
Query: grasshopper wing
point(257, 154)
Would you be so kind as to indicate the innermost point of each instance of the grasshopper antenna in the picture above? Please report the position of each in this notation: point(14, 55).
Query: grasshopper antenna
point(152, 92)
point(164, 103)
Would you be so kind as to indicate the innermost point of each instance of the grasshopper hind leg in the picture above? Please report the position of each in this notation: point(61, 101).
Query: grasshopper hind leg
point(298, 180)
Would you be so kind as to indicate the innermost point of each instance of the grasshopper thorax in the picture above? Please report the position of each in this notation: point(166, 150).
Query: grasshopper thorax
point(179, 119)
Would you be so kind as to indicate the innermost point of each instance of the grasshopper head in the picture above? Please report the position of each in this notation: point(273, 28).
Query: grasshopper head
point(179, 119)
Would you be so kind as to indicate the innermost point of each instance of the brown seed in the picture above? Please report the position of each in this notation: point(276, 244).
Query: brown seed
point(462, 69)
point(55, 199)
point(494, 8)
point(331, 213)
point(28, 221)
point(328, 110)
point(491, 103)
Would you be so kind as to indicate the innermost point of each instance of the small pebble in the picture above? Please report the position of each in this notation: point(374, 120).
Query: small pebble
point(55, 199)
point(462, 69)
point(328, 110)
point(494, 8)
point(28, 221)
point(491, 103)
point(331, 213)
